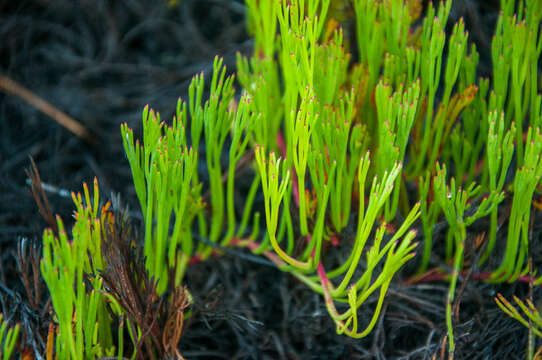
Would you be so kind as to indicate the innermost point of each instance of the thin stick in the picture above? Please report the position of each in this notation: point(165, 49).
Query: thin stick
point(11, 87)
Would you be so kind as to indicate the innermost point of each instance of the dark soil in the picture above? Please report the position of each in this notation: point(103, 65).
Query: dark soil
point(101, 62)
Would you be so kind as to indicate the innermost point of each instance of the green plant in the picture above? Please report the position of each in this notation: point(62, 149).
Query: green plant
point(455, 204)
point(334, 143)
point(166, 182)
point(98, 279)
point(8, 338)
point(84, 324)
point(533, 321)
point(526, 180)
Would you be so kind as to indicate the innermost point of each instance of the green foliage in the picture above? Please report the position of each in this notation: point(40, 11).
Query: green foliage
point(163, 168)
point(455, 205)
point(83, 320)
point(533, 321)
point(322, 125)
point(396, 115)
point(500, 148)
point(167, 184)
point(525, 182)
point(8, 338)
point(398, 250)
point(96, 280)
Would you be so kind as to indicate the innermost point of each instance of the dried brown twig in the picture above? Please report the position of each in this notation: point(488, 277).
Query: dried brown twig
point(129, 283)
point(38, 193)
point(28, 258)
point(11, 87)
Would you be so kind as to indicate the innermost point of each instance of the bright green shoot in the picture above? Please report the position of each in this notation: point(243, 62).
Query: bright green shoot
point(456, 203)
point(500, 148)
point(299, 126)
point(355, 292)
point(396, 115)
point(397, 252)
point(8, 338)
point(217, 122)
point(527, 179)
point(260, 79)
point(273, 191)
point(530, 318)
point(515, 52)
point(241, 127)
point(83, 319)
point(430, 211)
point(164, 167)
point(367, 217)
point(166, 179)
point(344, 142)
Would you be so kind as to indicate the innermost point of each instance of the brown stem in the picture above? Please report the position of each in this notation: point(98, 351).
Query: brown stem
point(11, 87)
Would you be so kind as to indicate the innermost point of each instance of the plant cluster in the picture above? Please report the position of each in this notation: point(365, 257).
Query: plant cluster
point(330, 142)
point(8, 338)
